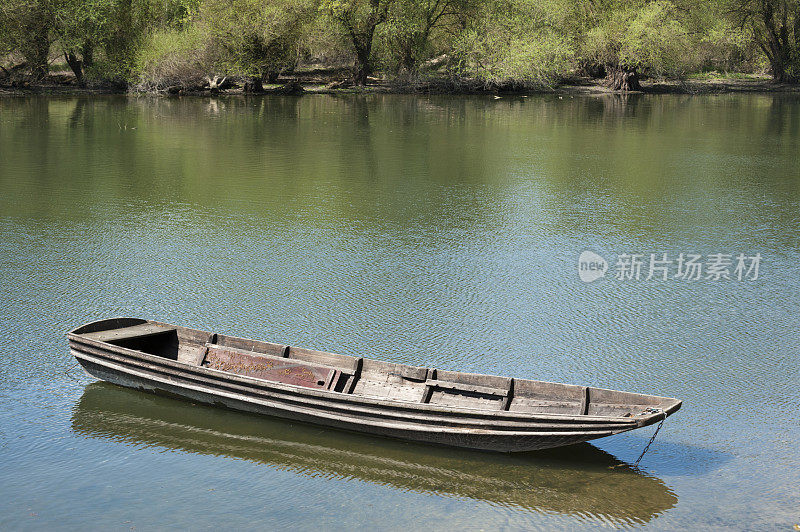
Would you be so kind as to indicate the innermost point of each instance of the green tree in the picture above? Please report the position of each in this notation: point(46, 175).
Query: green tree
point(410, 24)
point(256, 39)
point(717, 42)
point(129, 25)
point(775, 28)
point(28, 28)
point(359, 19)
point(516, 43)
point(631, 37)
point(80, 26)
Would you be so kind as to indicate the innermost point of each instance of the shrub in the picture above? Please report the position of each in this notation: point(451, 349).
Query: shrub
point(171, 58)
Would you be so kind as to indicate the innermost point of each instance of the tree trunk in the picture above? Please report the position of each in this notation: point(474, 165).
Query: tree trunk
point(778, 73)
point(360, 75)
point(774, 40)
point(39, 52)
point(292, 87)
point(622, 79)
point(253, 85)
point(776, 56)
point(362, 68)
point(408, 61)
point(361, 29)
point(779, 59)
point(87, 54)
point(362, 42)
point(76, 65)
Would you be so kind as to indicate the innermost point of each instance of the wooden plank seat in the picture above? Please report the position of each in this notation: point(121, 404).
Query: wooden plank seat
point(272, 368)
point(349, 366)
point(124, 333)
point(502, 397)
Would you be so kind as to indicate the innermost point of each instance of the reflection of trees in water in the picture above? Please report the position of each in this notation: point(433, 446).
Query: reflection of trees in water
point(642, 161)
point(612, 108)
point(359, 157)
point(782, 181)
point(23, 121)
point(273, 119)
point(77, 114)
point(783, 115)
point(579, 480)
point(432, 158)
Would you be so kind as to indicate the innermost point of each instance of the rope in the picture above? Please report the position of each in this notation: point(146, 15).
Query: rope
point(653, 437)
point(68, 373)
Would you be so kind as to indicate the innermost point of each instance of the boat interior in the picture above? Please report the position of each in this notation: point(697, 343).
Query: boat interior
point(366, 377)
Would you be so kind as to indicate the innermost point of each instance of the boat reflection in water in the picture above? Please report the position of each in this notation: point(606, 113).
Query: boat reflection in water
point(576, 480)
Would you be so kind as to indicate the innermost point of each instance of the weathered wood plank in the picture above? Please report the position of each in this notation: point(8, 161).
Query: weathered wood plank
point(270, 368)
point(426, 394)
point(485, 390)
point(347, 363)
point(352, 379)
point(255, 346)
point(135, 331)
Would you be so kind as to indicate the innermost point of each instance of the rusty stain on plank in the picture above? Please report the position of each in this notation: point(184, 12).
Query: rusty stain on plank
point(284, 371)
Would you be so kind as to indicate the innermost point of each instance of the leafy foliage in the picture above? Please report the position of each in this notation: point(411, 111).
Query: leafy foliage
point(254, 37)
point(516, 43)
point(496, 43)
point(358, 20)
point(774, 25)
point(646, 36)
point(27, 28)
point(413, 27)
point(182, 57)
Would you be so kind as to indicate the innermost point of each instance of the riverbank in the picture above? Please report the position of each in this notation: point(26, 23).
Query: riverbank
point(61, 84)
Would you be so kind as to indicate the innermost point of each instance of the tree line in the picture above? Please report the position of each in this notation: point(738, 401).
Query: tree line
point(156, 44)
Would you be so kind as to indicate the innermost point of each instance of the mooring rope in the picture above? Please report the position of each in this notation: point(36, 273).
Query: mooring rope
point(653, 437)
point(68, 373)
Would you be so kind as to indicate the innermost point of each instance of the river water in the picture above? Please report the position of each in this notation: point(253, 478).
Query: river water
point(436, 231)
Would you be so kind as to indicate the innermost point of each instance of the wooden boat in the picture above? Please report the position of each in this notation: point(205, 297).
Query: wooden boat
point(358, 394)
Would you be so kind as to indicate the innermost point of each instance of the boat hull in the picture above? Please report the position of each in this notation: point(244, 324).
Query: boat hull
point(471, 439)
